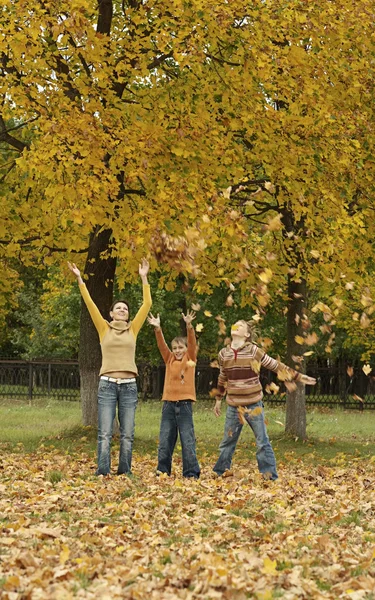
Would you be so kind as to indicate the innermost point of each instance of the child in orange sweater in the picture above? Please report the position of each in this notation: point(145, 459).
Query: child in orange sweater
point(178, 397)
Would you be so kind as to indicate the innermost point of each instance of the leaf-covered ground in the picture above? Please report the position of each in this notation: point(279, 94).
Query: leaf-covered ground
point(65, 533)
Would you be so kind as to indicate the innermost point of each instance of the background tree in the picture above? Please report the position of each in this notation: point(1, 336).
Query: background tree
point(127, 121)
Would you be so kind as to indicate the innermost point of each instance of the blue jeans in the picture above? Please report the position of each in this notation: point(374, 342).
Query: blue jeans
point(265, 455)
point(110, 395)
point(177, 417)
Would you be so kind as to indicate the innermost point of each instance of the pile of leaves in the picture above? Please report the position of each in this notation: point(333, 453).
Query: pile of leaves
point(65, 533)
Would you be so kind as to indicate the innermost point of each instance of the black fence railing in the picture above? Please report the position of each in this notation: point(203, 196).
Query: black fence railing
point(60, 380)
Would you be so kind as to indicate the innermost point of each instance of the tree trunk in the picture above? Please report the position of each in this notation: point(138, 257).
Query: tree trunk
point(100, 286)
point(295, 422)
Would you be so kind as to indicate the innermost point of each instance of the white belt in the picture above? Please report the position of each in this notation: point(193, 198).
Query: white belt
point(114, 380)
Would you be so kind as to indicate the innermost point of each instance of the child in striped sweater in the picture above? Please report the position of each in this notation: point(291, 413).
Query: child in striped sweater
point(240, 364)
point(178, 398)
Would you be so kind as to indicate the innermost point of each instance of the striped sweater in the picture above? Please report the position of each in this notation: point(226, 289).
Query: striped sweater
point(239, 373)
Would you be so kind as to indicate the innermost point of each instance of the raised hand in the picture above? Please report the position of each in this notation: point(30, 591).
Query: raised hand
point(189, 317)
point(143, 269)
point(155, 321)
point(74, 269)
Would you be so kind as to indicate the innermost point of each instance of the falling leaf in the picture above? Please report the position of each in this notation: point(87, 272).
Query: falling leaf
point(358, 398)
point(214, 392)
point(309, 353)
point(269, 187)
point(298, 359)
point(315, 253)
point(311, 339)
point(274, 224)
point(256, 317)
point(364, 321)
point(191, 363)
point(226, 193)
point(367, 369)
point(196, 306)
point(290, 386)
point(299, 339)
point(199, 327)
point(207, 313)
point(350, 371)
point(266, 275)
point(214, 364)
point(229, 301)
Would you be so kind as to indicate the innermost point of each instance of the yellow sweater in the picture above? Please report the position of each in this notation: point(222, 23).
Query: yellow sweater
point(118, 338)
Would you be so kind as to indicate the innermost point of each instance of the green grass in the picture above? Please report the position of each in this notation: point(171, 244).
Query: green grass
point(58, 423)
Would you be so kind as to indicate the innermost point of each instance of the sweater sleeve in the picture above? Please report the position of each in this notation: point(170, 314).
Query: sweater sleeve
point(284, 372)
point(191, 343)
point(141, 315)
point(100, 323)
point(222, 379)
point(163, 348)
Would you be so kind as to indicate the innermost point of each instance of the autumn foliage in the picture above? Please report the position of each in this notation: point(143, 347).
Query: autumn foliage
point(65, 533)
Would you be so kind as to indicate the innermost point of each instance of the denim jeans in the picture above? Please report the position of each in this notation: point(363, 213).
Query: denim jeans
point(265, 455)
point(124, 396)
point(177, 417)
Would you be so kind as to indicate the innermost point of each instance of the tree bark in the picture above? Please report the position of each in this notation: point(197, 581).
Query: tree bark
point(295, 421)
point(100, 274)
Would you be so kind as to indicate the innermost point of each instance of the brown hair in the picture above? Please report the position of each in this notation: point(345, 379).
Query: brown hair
point(118, 302)
point(180, 340)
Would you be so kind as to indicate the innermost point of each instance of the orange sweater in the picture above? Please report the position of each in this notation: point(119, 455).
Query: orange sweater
point(179, 381)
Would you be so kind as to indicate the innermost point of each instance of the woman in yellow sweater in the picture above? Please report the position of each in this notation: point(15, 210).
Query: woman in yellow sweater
point(117, 383)
point(178, 398)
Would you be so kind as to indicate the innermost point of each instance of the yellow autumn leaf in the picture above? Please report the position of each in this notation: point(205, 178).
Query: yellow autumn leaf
point(367, 369)
point(64, 555)
point(299, 339)
point(199, 327)
point(364, 321)
point(191, 363)
point(266, 275)
point(207, 313)
point(269, 566)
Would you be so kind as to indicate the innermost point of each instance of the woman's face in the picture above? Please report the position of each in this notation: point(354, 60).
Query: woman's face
point(120, 312)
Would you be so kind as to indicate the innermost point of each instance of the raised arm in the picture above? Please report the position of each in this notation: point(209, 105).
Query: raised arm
point(141, 315)
point(100, 324)
point(191, 339)
point(163, 348)
point(284, 372)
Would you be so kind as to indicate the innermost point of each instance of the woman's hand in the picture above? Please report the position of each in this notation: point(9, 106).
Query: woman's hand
point(189, 317)
point(306, 380)
point(75, 270)
point(154, 321)
point(143, 270)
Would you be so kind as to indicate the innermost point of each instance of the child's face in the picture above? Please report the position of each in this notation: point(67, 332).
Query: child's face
point(239, 329)
point(179, 350)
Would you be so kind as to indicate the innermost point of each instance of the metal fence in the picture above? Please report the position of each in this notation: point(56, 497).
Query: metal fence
point(60, 380)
